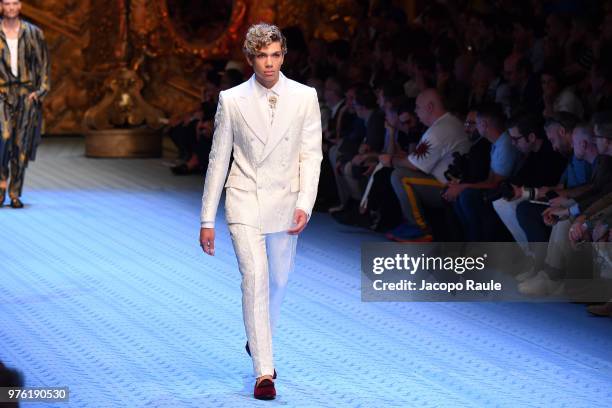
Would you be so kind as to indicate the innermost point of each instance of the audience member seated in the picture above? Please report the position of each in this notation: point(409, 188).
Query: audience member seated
point(403, 130)
point(564, 212)
point(182, 131)
point(418, 179)
point(351, 133)
point(569, 141)
point(488, 86)
point(541, 166)
point(557, 97)
point(469, 197)
point(354, 173)
point(192, 133)
point(525, 87)
point(538, 62)
point(10, 377)
point(337, 125)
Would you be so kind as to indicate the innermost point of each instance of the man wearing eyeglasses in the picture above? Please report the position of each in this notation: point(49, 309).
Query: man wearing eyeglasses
point(570, 218)
point(542, 166)
point(477, 216)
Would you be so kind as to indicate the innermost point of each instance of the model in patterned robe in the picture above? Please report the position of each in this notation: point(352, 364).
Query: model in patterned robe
point(20, 116)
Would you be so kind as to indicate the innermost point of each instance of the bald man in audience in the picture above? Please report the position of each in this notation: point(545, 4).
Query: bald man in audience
point(418, 179)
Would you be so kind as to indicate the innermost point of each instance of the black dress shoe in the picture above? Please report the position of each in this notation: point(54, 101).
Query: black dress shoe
point(16, 203)
point(248, 350)
point(183, 169)
point(265, 390)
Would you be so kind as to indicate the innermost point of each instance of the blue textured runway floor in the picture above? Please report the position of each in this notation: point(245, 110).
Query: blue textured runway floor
point(104, 289)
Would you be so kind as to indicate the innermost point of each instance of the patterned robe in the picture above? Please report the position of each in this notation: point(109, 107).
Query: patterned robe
point(21, 120)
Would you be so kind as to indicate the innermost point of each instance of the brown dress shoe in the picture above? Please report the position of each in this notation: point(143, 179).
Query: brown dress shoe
point(604, 310)
point(16, 203)
point(264, 390)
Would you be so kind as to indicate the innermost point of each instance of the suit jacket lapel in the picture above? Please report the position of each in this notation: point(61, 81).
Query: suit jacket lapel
point(283, 116)
point(251, 112)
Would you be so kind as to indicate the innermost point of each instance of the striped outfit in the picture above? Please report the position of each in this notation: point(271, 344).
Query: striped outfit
point(21, 120)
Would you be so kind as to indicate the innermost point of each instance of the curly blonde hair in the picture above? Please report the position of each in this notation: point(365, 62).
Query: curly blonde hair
point(261, 35)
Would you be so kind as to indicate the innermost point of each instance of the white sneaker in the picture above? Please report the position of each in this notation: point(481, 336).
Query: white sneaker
point(336, 208)
point(528, 274)
point(541, 285)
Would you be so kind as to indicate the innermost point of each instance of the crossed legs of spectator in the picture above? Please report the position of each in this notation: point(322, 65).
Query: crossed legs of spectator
point(414, 190)
point(344, 194)
point(350, 189)
point(548, 280)
point(529, 216)
point(478, 219)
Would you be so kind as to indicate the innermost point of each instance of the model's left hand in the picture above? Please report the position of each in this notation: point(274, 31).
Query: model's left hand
point(299, 220)
point(32, 97)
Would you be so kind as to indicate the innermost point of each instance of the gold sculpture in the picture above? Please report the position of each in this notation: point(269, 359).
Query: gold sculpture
point(123, 106)
point(93, 41)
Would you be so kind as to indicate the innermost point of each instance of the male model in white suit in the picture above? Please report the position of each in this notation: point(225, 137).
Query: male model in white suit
point(273, 125)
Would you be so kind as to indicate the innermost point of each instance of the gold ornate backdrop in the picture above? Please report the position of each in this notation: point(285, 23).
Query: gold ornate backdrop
point(160, 42)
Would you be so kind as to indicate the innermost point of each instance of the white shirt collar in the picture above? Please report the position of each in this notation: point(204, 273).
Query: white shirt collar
point(262, 91)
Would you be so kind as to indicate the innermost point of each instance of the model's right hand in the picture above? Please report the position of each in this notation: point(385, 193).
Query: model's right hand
point(207, 240)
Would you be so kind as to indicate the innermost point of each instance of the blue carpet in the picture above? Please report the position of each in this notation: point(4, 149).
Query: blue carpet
point(104, 289)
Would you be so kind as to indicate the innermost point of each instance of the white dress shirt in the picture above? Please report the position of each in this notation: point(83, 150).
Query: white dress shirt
point(265, 94)
point(13, 44)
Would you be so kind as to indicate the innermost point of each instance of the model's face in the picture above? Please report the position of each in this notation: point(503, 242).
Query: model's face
point(11, 8)
point(267, 63)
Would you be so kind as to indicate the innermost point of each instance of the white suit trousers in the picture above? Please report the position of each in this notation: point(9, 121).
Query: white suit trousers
point(265, 262)
point(507, 213)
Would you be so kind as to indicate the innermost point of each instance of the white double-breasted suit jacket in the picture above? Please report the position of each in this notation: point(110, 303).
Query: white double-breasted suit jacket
point(275, 168)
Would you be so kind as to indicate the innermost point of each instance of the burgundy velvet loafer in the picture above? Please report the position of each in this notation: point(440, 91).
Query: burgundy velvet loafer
point(265, 390)
point(248, 350)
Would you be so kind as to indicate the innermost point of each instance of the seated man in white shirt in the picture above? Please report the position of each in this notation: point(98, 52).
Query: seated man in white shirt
point(418, 179)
